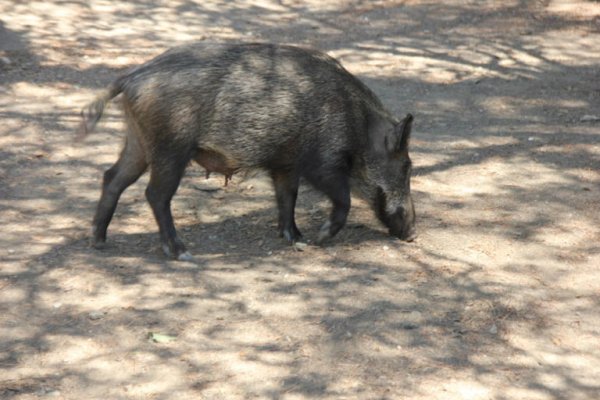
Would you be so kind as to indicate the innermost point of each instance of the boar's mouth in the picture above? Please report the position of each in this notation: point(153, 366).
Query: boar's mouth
point(396, 222)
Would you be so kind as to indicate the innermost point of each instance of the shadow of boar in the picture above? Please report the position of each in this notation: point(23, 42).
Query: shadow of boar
point(293, 112)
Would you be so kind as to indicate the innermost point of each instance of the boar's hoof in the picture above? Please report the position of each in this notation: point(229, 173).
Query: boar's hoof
point(98, 244)
point(291, 236)
point(178, 255)
point(324, 233)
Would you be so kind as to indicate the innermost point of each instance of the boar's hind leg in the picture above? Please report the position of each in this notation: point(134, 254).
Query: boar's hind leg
point(337, 188)
point(129, 167)
point(165, 174)
point(286, 192)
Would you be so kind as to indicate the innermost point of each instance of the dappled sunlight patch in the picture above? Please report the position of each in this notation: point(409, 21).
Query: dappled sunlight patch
point(420, 66)
point(568, 232)
point(550, 355)
point(12, 293)
point(567, 149)
point(21, 139)
point(27, 90)
point(75, 350)
point(432, 61)
point(582, 9)
point(102, 292)
point(289, 306)
point(569, 48)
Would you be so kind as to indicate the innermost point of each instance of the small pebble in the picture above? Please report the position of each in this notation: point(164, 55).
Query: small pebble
point(589, 118)
point(95, 315)
point(300, 246)
point(415, 314)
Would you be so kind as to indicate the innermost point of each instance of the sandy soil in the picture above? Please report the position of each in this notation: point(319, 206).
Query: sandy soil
point(499, 298)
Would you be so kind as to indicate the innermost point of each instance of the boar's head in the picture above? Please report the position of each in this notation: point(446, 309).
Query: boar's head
point(386, 174)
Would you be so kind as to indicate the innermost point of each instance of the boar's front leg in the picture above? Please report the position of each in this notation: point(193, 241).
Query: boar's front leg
point(286, 192)
point(337, 187)
point(165, 175)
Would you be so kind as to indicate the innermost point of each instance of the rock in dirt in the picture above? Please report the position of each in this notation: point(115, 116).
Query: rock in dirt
point(589, 118)
point(160, 337)
point(206, 189)
point(300, 246)
point(96, 315)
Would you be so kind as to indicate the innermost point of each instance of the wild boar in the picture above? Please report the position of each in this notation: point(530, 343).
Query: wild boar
point(294, 112)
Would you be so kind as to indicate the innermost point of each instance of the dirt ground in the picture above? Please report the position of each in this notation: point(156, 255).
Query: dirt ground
point(498, 298)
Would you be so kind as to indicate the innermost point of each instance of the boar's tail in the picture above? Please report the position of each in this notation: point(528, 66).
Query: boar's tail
point(91, 114)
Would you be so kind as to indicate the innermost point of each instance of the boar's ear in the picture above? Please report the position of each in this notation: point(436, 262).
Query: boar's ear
point(383, 138)
point(402, 131)
point(389, 139)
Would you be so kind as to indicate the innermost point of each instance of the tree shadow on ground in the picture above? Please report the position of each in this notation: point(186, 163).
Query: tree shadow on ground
point(371, 317)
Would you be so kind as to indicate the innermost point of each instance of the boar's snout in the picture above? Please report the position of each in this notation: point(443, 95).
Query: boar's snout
point(401, 220)
point(399, 228)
